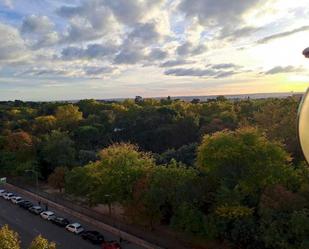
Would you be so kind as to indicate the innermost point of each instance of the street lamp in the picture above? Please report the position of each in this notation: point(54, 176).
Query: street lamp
point(303, 120)
point(35, 172)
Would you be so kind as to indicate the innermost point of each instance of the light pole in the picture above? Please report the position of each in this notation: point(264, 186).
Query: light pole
point(114, 219)
point(35, 172)
point(303, 120)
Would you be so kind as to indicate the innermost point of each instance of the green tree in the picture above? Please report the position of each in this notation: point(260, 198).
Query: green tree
point(8, 239)
point(57, 149)
point(243, 161)
point(112, 178)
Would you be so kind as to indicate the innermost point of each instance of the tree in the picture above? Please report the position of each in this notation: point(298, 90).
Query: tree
point(21, 144)
point(278, 119)
point(57, 149)
point(68, 116)
point(8, 239)
point(57, 178)
point(41, 243)
point(243, 161)
point(45, 124)
point(110, 179)
point(87, 137)
point(158, 194)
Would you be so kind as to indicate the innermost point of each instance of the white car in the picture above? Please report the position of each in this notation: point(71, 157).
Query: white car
point(47, 215)
point(2, 192)
point(16, 199)
point(8, 196)
point(75, 228)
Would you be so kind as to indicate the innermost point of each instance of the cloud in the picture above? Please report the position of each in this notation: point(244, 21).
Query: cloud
point(173, 63)
point(39, 32)
point(222, 13)
point(8, 3)
point(282, 34)
point(44, 72)
point(157, 54)
point(188, 48)
point(130, 12)
point(129, 55)
point(99, 70)
point(92, 51)
point(224, 66)
point(235, 34)
point(93, 19)
point(191, 72)
point(280, 69)
point(88, 21)
point(145, 33)
point(36, 24)
point(12, 47)
point(213, 71)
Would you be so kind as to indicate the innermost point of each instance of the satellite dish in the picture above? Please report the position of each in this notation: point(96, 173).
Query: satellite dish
point(303, 125)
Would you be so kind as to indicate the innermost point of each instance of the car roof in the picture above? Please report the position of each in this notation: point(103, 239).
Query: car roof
point(61, 218)
point(36, 207)
point(48, 212)
point(75, 224)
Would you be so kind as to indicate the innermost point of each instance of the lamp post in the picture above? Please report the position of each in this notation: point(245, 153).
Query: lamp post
point(116, 223)
point(35, 172)
point(303, 120)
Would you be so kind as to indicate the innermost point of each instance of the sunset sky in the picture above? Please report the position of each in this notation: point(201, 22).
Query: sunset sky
point(73, 49)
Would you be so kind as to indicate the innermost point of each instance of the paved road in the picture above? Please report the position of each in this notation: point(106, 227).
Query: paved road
point(29, 226)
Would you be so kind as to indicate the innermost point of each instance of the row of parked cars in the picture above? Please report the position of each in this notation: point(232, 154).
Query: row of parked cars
point(76, 228)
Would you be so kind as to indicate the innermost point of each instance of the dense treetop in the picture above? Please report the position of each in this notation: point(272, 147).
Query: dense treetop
point(225, 170)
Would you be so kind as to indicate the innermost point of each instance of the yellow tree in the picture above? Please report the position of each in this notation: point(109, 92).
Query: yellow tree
point(41, 243)
point(68, 116)
point(8, 239)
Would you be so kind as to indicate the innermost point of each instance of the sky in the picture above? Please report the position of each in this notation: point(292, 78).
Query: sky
point(76, 49)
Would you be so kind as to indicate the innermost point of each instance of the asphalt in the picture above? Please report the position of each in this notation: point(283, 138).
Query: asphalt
point(29, 226)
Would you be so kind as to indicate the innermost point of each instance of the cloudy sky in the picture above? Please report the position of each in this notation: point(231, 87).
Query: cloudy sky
point(72, 49)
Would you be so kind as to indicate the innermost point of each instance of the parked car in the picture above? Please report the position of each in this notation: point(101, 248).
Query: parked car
point(47, 215)
point(8, 196)
point(111, 245)
point(75, 228)
point(2, 192)
point(16, 199)
point(59, 221)
point(25, 204)
point(93, 236)
point(36, 210)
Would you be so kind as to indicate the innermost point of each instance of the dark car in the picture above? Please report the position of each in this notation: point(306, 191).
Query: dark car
point(36, 210)
point(93, 236)
point(59, 221)
point(25, 204)
point(111, 245)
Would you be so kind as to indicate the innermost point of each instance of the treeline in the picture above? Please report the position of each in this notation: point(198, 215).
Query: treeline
point(222, 170)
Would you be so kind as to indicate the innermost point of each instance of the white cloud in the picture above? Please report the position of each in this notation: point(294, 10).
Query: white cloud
point(12, 47)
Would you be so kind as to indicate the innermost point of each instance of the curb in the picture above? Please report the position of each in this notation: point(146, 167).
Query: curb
point(133, 239)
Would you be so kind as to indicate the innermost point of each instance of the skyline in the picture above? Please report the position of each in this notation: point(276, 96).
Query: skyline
point(103, 49)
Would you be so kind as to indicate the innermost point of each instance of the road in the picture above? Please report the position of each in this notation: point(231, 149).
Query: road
point(29, 226)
